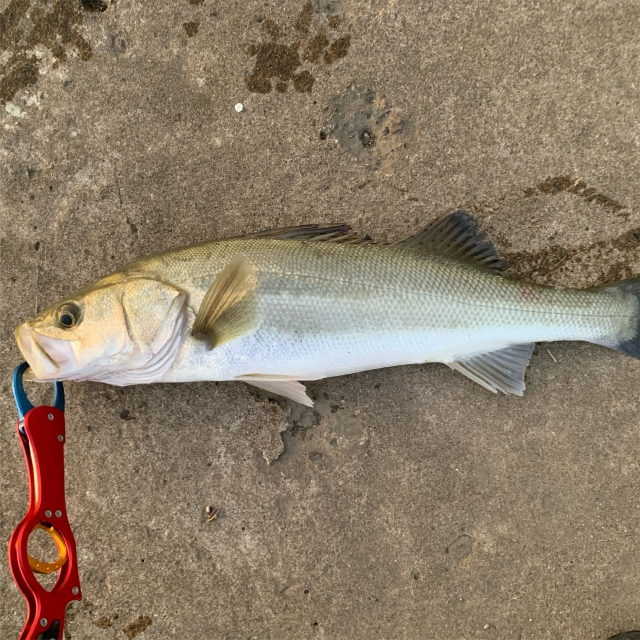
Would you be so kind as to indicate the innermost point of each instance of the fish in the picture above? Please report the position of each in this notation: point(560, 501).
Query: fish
point(279, 307)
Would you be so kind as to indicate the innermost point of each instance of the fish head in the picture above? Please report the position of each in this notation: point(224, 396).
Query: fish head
point(121, 330)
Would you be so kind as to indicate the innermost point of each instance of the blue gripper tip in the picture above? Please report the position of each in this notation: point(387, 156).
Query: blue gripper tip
point(22, 402)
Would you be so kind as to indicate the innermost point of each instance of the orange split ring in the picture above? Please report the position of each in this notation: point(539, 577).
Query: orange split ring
point(49, 567)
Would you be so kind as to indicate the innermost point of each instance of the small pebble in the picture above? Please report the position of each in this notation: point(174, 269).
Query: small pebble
point(239, 107)
point(212, 514)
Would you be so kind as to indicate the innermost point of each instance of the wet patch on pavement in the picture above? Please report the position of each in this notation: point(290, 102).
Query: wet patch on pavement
point(575, 186)
point(367, 127)
point(280, 65)
point(26, 29)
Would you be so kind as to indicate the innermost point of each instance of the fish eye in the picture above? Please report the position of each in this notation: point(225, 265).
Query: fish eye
point(68, 315)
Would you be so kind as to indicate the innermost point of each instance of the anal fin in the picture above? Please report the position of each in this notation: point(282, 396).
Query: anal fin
point(501, 370)
point(286, 387)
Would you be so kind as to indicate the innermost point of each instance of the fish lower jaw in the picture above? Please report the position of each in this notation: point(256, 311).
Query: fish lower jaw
point(42, 366)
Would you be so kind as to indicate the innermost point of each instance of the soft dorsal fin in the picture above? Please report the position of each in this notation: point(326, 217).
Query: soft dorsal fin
point(455, 235)
point(228, 310)
point(501, 370)
point(313, 233)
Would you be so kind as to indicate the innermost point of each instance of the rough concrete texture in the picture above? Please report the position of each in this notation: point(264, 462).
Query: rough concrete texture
point(411, 503)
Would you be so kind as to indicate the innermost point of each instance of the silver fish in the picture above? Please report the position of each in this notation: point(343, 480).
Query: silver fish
point(280, 306)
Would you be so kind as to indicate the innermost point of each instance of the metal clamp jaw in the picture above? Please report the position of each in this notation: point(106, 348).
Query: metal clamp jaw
point(41, 431)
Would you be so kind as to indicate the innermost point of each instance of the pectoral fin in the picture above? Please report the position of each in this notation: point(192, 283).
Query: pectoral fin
point(291, 389)
point(501, 370)
point(228, 310)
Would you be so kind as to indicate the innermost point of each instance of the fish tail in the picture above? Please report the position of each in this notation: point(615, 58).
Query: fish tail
point(627, 338)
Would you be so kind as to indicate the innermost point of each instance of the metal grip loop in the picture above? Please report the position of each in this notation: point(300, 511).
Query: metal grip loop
point(22, 401)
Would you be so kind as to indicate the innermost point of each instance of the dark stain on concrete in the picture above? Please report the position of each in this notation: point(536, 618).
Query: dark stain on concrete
point(137, 626)
point(303, 82)
point(195, 2)
point(301, 419)
point(118, 44)
point(369, 128)
point(191, 28)
point(94, 5)
point(303, 23)
point(578, 187)
point(102, 623)
point(273, 60)
point(338, 49)
point(281, 62)
point(608, 260)
point(328, 7)
point(23, 27)
point(460, 549)
point(316, 46)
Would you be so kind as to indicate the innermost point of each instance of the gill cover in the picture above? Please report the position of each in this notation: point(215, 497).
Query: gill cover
point(155, 313)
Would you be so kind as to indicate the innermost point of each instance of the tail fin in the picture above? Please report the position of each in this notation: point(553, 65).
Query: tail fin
point(631, 342)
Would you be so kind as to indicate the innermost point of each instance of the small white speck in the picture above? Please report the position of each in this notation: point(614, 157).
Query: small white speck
point(74, 134)
point(239, 107)
point(201, 82)
point(14, 110)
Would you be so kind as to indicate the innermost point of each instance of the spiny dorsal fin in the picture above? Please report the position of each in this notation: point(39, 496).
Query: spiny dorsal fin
point(501, 370)
point(313, 233)
point(228, 310)
point(291, 389)
point(455, 235)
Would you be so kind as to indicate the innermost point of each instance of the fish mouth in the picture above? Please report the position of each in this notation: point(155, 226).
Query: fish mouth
point(49, 359)
point(42, 363)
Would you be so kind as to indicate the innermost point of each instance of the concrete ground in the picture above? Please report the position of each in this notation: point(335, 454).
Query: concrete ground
point(411, 503)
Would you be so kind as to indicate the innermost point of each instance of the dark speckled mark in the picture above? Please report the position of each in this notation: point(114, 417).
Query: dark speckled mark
point(273, 60)
point(52, 25)
point(303, 82)
point(316, 46)
point(304, 19)
point(272, 29)
point(578, 187)
point(191, 28)
point(460, 549)
point(338, 49)
point(613, 257)
point(137, 626)
point(279, 62)
point(94, 5)
point(102, 623)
